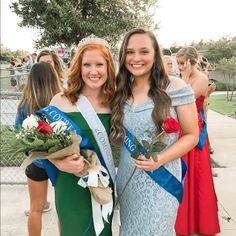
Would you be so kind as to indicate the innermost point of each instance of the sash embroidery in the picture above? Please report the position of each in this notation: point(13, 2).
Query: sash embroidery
point(99, 133)
point(161, 176)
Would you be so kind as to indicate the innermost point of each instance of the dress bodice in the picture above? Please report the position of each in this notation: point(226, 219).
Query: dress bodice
point(78, 118)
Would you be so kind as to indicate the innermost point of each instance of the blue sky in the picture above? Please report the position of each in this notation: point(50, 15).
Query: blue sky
point(180, 21)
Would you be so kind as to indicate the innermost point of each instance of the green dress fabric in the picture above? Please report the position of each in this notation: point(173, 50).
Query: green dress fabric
point(73, 202)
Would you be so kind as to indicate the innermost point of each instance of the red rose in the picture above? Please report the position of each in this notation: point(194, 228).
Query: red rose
point(171, 125)
point(44, 128)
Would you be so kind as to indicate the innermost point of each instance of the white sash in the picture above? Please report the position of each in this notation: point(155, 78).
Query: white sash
point(100, 135)
point(99, 132)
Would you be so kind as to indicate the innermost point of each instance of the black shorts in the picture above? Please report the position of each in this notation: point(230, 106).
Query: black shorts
point(36, 173)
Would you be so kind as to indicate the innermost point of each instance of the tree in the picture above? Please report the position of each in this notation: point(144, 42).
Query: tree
point(63, 22)
point(216, 50)
point(7, 54)
point(228, 68)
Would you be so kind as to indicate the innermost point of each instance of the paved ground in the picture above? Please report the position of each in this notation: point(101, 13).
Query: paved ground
point(222, 131)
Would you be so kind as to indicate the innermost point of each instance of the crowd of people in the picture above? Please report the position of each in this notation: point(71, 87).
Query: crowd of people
point(25, 63)
point(152, 85)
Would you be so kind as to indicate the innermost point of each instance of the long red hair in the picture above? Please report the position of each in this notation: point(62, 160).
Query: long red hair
point(75, 81)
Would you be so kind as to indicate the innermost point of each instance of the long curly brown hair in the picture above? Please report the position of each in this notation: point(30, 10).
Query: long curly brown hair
point(158, 83)
point(75, 81)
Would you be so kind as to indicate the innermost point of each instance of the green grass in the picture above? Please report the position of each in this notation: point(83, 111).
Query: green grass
point(220, 104)
point(7, 159)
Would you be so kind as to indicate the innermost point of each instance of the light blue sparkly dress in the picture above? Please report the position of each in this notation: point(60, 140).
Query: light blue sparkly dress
point(146, 208)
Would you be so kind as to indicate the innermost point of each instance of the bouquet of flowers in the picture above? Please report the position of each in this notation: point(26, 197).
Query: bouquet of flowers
point(42, 140)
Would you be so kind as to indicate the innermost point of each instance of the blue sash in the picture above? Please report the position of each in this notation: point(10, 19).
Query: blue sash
point(203, 134)
point(161, 176)
point(54, 114)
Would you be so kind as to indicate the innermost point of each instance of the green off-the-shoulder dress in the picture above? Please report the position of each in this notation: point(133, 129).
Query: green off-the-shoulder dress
point(73, 202)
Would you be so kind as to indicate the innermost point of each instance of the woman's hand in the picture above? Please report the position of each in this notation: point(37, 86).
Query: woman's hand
point(186, 71)
point(71, 164)
point(211, 88)
point(147, 164)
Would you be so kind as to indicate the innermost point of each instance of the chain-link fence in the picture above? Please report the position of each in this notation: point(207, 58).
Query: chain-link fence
point(11, 92)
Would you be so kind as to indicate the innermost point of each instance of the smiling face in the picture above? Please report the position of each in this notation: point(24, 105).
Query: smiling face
point(93, 70)
point(139, 55)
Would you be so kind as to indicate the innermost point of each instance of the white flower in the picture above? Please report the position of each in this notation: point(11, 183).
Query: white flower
point(30, 122)
point(58, 126)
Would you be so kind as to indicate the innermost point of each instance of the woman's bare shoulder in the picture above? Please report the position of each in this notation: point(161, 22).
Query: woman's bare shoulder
point(201, 79)
point(62, 102)
point(177, 83)
point(57, 99)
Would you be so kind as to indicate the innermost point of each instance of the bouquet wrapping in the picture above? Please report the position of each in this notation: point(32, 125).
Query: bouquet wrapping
point(51, 141)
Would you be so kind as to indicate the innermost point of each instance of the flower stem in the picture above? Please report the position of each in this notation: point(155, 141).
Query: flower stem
point(157, 137)
point(119, 196)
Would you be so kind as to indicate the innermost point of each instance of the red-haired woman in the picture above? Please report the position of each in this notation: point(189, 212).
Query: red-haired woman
point(91, 76)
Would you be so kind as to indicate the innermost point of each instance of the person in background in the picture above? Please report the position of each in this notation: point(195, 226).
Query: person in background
point(42, 80)
point(204, 67)
point(170, 62)
point(56, 62)
point(92, 77)
point(168, 65)
point(198, 213)
point(34, 57)
point(28, 63)
point(12, 66)
point(145, 96)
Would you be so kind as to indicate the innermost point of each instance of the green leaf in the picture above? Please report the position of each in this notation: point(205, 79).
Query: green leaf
point(51, 142)
point(135, 154)
point(157, 147)
point(148, 154)
point(36, 143)
point(55, 148)
point(146, 144)
point(136, 142)
point(155, 156)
